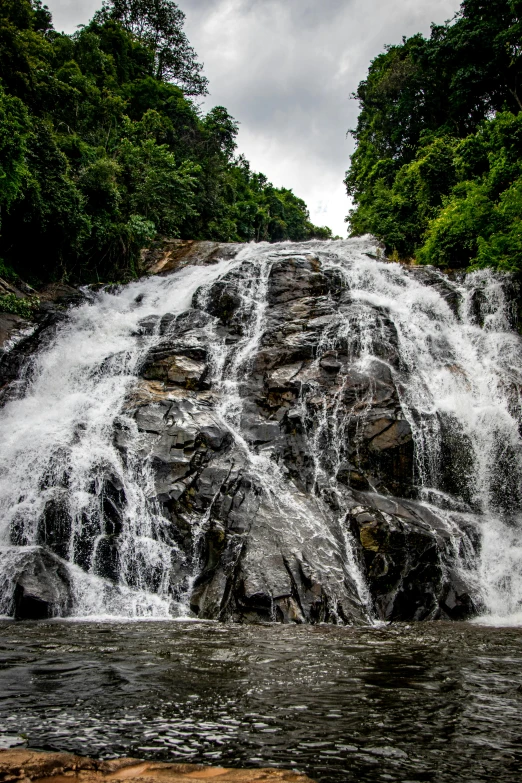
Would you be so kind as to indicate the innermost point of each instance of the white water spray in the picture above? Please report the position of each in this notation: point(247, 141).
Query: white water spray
point(58, 447)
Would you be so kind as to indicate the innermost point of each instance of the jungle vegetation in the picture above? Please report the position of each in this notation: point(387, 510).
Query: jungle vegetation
point(437, 170)
point(103, 147)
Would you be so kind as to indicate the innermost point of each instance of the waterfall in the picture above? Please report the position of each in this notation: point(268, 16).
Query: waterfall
point(448, 343)
point(58, 447)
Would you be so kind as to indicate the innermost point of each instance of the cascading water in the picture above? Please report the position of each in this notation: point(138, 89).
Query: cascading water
point(460, 391)
point(458, 374)
point(295, 518)
point(58, 449)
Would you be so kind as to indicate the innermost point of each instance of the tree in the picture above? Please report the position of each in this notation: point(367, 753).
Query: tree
point(14, 131)
point(159, 25)
point(99, 154)
point(433, 174)
point(47, 220)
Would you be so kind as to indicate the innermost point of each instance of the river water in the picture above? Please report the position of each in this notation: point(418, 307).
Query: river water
point(426, 702)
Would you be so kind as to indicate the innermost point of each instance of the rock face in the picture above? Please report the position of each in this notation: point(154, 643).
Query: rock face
point(274, 438)
point(170, 255)
point(20, 338)
point(41, 584)
point(404, 547)
point(30, 765)
point(309, 433)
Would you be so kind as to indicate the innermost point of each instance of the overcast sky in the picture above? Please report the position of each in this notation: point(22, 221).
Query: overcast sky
point(285, 70)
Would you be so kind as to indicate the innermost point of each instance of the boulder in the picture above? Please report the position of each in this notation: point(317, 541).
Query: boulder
point(408, 554)
point(41, 585)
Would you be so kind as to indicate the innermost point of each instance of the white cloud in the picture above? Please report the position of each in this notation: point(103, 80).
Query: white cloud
point(285, 69)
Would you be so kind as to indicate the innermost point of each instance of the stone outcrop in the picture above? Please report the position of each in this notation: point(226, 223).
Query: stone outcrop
point(169, 255)
point(334, 429)
point(41, 584)
point(28, 765)
point(275, 480)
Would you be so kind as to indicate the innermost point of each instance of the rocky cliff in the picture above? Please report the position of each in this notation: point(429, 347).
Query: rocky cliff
point(278, 432)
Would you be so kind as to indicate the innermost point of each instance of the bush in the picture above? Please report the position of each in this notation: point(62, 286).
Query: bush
point(10, 303)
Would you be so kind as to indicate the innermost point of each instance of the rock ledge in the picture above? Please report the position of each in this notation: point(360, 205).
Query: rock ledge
point(28, 765)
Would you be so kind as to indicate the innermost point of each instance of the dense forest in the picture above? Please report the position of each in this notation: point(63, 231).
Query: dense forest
point(103, 147)
point(437, 171)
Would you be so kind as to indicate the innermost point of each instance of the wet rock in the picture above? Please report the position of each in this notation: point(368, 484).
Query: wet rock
point(106, 558)
point(33, 339)
point(282, 377)
point(295, 278)
point(408, 557)
point(28, 765)
point(391, 435)
point(224, 301)
point(59, 295)
point(178, 370)
point(429, 276)
point(148, 325)
point(317, 450)
point(10, 327)
point(331, 364)
point(151, 418)
point(309, 404)
point(41, 586)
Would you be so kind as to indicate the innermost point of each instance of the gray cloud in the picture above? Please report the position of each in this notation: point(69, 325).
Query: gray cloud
point(285, 69)
point(67, 14)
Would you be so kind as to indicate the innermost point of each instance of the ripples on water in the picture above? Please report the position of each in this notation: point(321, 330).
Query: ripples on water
point(431, 702)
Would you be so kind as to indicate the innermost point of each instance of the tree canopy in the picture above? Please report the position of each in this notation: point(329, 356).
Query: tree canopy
point(158, 24)
point(102, 147)
point(437, 171)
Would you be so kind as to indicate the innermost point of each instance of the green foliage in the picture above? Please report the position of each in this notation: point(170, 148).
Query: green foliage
point(14, 128)
point(10, 303)
point(401, 210)
point(102, 148)
point(479, 223)
point(7, 272)
point(159, 25)
point(437, 171)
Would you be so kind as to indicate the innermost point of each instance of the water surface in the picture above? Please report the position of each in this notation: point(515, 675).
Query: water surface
point(428, 702)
